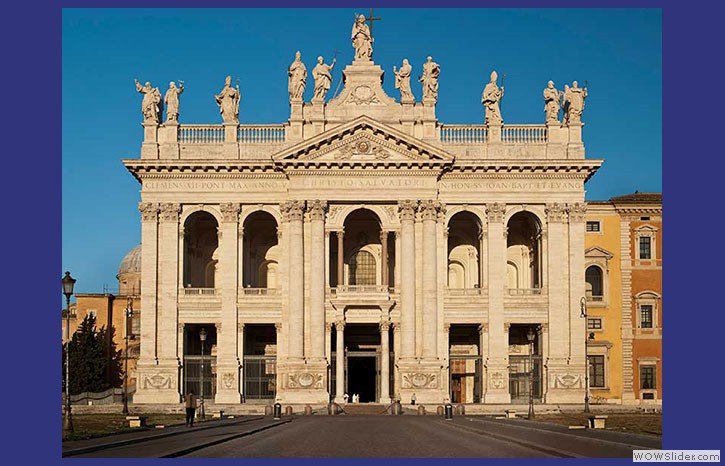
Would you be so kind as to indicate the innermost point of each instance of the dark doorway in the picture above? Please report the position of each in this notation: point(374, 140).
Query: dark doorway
point(362, 377)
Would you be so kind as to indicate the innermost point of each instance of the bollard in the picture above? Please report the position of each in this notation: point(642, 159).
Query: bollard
point(461, 410)
point(440, 410)
point(421, 410)
point(277, 411)
point(397, 408)
point(288, 411)
point(268, 410)
point(449, 412)
point(308, 410)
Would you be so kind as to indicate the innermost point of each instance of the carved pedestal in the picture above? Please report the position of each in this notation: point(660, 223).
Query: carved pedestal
point(497, 385)
point(565, 383)
point(157, 383)
point(303, 382)
point(150, 145)
point(228, 387)
point(424, 379)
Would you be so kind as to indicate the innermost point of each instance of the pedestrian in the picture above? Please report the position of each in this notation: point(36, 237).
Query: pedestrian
point(345, 397)
point(412, 399)
point(190, 404)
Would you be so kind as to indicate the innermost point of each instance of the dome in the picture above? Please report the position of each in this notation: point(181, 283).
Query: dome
point(132, 262)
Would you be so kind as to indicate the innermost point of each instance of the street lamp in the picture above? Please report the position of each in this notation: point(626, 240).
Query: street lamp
point(583, 305)
point(68, 283)
point(202, 337)
point(531, 335)
point(129, 317)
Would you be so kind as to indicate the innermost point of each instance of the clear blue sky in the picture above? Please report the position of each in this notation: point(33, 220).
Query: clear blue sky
point(618, 51)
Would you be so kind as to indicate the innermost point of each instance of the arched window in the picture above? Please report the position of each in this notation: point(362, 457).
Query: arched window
point(595, 283)
point(362, 269)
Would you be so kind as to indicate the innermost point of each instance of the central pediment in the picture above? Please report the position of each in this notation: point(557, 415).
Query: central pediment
point(363, 140)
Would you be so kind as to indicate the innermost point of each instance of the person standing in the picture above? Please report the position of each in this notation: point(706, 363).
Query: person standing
point(190, 405)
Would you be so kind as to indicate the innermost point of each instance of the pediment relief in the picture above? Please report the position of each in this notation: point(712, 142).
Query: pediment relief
point(363, 140)
point(597, 252)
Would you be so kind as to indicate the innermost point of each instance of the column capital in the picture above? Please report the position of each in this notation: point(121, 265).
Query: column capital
point(506, 326)
point(218, 327)
point(431, 209)
point(328, 326)
point(240, 327)
point(317, 210)
point(577, 212)
point(555, 213)
point(292, 210)
point(483, 328)
point(384, 326)
point(447, 327)
point(169, 212)
point(149, 211)
point(180, 327)
point(396, 327)
point(340, 325)
point(278, 326)
point(230, 211)
point(495, 212)
point(384, 235)
point(406, 210)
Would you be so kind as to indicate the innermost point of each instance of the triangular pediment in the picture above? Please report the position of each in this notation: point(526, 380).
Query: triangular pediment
point(363, 140)
point(597, 252)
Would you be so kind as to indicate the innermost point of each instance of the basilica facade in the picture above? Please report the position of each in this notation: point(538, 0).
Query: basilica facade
point(362, 247)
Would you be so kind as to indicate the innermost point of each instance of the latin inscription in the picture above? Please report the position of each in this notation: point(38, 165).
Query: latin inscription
point(368, 182)
point(511, 185)
point(212, 185)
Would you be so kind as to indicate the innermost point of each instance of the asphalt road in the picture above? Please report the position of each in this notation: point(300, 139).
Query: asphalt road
point(407, 436)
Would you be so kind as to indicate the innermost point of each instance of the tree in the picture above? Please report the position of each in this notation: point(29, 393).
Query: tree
point(95, 364)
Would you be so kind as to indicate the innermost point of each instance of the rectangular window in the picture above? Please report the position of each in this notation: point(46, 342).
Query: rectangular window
point(594, 324)
point(596, 371)
point(645, 312)
point(645, 247)
point(647, 377)
point(593, 226)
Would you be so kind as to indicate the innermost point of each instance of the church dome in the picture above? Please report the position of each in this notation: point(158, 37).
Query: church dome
point(132, 262)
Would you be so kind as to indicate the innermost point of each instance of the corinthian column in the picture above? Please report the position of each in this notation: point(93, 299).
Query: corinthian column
point(293, 212)
point(429, 213)
point(384, 362)
point(317, 211)
point(406, 210)
point(340, 361)
point(168, 281)
point(497, 391)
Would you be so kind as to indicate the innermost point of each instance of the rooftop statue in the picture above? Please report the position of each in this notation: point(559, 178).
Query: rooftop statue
point(151, 104)
point(574, 103)
point(228, 101)
point(431, 71)
point(552, 103)
point(402, 81)
point(172, 100)
point(323, 78)
point(491, 97)
point(362, 39)
point(297, 73)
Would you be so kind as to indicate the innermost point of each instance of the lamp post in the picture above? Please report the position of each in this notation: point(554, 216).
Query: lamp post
point(129, 317)
point(68, 283)
point(583, 305)
point(531, 335)
point(202, 337)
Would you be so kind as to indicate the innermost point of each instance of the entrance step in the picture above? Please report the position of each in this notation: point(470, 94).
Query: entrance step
point(365, 409)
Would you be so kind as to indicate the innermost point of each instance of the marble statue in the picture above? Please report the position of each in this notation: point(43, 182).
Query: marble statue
point(431, 71)
point(323, 78)
point(297, 78)
point(228, 101)
point(552, 103)
point(491, 97)
point(151, 106)
point(171, 99)
point(362, 40)
point(402, 81)
point(574, 103)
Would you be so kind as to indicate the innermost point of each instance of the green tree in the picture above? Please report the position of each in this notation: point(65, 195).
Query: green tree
point(95, 365)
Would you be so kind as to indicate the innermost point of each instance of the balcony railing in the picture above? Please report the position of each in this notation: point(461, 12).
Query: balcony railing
point(596, 299)
point(464, 291)
point(199, 291)
point(260, 291)
point(359, 289)
point(249, 134)
point(464, 134)
point(201, 134)
point(524, 134)
point(524, 291)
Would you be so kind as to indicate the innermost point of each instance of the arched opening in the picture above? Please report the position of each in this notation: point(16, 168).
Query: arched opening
point(595, 283)
point(523, 250)
point(362, 256)
point(464, 251)
point(260, 251)
point(200, 249)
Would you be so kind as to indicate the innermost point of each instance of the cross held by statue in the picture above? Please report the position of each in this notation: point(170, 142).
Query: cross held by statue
point(372, 18)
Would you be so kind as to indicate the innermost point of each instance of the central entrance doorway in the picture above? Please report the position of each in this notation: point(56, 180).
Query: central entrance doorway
point(363, 375)
point(362, 362)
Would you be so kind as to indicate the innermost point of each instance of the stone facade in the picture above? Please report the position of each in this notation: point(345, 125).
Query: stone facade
point(361, 218)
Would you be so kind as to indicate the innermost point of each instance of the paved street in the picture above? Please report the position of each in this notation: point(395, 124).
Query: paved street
point(378, 436)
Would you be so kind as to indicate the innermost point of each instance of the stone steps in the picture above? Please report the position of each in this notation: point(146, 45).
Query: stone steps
point(365, 409)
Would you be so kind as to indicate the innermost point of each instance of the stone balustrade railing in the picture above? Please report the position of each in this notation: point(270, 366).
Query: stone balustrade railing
point(250, 134)
point(260, 291)
point(524, 134)
point(464, 291)
point(359, 289)
point(464, 134)
point(199, 291)
point(201, 134)
point(524, 291)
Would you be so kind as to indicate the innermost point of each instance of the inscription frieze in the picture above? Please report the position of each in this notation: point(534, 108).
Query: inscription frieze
point(511, 185)
point(215, 185)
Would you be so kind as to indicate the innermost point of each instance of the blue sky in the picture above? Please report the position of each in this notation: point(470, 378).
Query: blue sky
point(617, 51)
